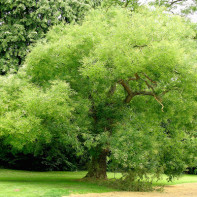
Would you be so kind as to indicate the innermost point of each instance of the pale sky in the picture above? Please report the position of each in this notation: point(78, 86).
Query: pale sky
point(193, 17)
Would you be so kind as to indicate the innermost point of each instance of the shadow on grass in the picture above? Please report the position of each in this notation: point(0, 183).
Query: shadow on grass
point(41, 180)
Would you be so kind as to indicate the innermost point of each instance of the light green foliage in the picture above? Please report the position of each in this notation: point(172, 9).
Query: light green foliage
point(32, 117)
point(138, 73)
point(22, 22)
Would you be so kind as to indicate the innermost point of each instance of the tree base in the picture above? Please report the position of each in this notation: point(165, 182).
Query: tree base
point(98, 167)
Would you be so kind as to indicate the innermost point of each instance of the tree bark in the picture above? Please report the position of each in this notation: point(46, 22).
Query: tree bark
point(98, 166)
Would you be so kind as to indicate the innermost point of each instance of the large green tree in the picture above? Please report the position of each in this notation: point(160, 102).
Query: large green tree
point(131, 96)
point(22, 22)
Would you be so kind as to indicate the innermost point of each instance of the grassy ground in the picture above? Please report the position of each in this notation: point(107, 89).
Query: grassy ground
point(180, 180)
point(56, 184)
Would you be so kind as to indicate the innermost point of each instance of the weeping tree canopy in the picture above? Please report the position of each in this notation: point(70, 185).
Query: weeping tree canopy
point(131, 96)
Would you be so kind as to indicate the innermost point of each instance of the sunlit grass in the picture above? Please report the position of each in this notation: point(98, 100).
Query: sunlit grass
point(15, 183)
point(44, 184)
point(182, 179)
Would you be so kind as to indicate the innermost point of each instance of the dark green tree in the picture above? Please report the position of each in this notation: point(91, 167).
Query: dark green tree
point(22, 22)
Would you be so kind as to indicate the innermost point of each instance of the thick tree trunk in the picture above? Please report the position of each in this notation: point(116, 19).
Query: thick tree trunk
point(98, 166)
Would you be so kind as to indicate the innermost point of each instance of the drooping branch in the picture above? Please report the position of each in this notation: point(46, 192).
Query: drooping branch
point(151, 94)
point(130, 96)
point(156, 98)
point(173, 2)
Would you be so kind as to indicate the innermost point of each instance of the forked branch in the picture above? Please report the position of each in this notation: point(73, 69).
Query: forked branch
point(131, 94)
point(154, 82)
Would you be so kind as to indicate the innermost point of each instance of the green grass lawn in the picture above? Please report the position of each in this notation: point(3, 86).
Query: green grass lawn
point(14, 183)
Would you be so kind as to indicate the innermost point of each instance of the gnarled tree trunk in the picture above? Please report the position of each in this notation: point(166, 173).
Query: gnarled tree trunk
point(98, 166)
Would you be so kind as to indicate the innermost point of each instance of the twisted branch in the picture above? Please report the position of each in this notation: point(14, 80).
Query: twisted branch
point(131, 94)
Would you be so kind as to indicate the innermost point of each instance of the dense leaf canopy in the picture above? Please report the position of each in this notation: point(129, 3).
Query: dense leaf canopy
point(132, 89)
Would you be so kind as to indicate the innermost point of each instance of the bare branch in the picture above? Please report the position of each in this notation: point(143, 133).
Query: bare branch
point(151, 94)
point(173, 2)
point(154, 82)
point(132, 94)
point(128, 98)
point(140, 46)
point(128, 90)
point(125, 86)
point(134, 78)
point(137, 76)
point(148, 85)
point(144, 93)
point(159, 103)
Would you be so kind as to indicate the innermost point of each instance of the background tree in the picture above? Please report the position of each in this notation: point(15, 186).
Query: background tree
point(135, 77)
point(185, 6)
point(22, 22)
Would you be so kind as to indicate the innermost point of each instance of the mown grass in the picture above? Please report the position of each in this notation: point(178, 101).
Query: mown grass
point(182, 179)
point(44, 184)
point(15, 183)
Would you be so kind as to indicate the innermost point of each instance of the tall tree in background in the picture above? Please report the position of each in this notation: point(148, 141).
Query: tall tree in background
point(22, 22)
point(185, 6)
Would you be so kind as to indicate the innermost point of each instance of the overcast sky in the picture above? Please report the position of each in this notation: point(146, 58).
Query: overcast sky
point(193, 17)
